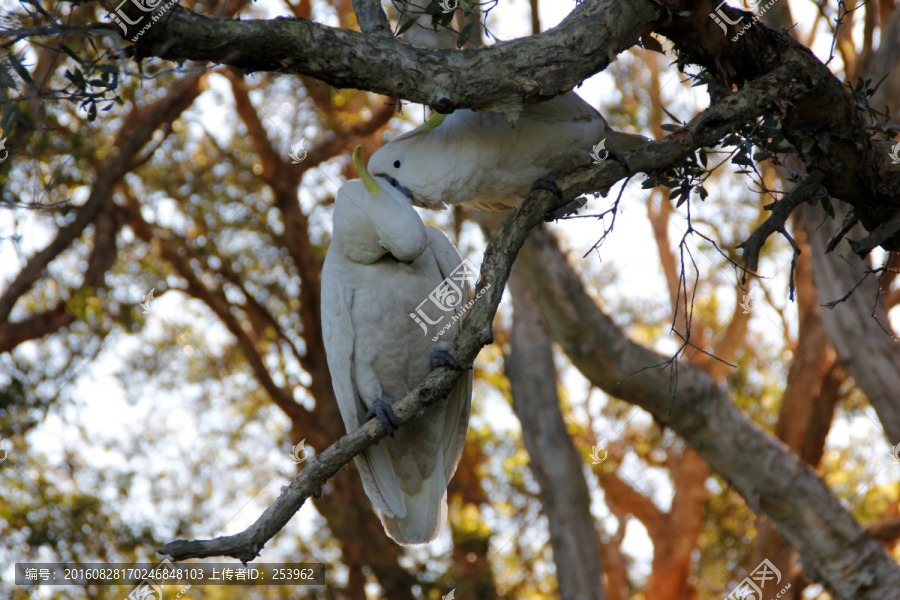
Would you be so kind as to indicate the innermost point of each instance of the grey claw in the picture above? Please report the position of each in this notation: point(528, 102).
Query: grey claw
point(549, 185)
point(565, 210)
point(619, 159)
point(382, 411)
point(442, 358)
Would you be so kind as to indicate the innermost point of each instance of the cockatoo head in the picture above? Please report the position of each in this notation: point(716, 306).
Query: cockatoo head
point(412, 164)
point(373, 219)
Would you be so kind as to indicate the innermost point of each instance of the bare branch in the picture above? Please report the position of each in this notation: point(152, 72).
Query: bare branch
point(849, 222)
point(442, 79)
point(806, 191)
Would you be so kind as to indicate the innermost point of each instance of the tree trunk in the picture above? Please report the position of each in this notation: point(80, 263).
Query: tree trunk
point(555, 463)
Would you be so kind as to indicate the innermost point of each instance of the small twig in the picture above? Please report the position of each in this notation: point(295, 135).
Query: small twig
point(849, 221)
point(805, 191)
point(794, 257)
point(614, 209)
point(830, 305)
point(883, 128)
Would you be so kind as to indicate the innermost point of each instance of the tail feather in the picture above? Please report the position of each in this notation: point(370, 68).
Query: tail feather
point(426, 513)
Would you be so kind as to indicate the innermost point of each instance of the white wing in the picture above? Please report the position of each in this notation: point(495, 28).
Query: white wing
point(339, 336)
point(458, 404)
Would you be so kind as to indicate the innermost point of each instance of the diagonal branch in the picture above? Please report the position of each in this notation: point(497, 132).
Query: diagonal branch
point(476, 332)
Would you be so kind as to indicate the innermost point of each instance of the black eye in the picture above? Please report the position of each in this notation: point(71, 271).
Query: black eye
point(396, 164)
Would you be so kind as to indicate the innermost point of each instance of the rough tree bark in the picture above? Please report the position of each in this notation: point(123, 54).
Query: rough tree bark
point(867, 351)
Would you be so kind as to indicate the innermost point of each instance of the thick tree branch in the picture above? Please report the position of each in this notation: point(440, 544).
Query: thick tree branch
point(824, 123)
point(499, 77)
point(877, 237)
point(556, 464)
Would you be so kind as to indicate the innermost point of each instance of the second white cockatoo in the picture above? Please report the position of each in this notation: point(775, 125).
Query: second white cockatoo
point(481, 160)
point(382, 266)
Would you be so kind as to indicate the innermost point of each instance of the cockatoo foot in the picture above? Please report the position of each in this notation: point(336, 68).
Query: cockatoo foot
point(549, 185)
point(568, 209)
point(442, 358)
point(618, 158)
point(382, 411)
point(565, 210)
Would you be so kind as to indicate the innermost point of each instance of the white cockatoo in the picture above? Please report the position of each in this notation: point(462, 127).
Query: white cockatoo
point(382, 266)
point(481, 160)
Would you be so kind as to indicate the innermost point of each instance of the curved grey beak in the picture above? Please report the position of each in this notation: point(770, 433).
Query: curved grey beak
point(397, 185)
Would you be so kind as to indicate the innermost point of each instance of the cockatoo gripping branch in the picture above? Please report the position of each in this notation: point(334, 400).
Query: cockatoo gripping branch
point(705, 129)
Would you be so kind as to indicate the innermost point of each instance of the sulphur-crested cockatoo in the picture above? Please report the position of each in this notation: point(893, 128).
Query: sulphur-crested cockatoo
point(482, 160)
point(381, 273)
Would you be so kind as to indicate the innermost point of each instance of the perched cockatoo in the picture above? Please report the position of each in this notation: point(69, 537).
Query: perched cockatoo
point(482, 160)
point(383, 266)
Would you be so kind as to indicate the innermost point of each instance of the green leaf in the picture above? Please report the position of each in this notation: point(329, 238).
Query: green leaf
point(464, 35)
point(826, 204)
point(71, 53)
point(671, 116)
point(405, 27)
point(20, 70)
